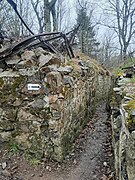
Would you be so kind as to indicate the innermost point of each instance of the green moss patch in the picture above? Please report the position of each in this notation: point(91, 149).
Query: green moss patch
point(10, 89)
point(1, 82)
point(130, 106)
point(130, 122)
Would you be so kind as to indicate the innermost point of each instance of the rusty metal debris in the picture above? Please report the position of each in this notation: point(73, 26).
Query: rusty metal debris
point(55, 42)
point(129, 71)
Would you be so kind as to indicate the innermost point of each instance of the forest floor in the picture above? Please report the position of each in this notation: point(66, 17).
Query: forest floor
point(92, 158)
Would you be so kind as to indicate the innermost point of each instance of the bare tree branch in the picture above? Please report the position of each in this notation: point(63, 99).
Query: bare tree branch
point(125, 22)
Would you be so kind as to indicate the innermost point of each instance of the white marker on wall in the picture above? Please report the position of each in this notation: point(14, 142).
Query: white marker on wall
point(34, 87)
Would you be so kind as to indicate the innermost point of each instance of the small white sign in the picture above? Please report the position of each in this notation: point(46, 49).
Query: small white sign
point(34, 87)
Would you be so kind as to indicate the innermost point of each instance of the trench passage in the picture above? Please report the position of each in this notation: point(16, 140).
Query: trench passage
point(95, 162)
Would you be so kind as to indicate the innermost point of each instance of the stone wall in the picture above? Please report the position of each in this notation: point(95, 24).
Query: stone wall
point(123, 126)
point(46, 100)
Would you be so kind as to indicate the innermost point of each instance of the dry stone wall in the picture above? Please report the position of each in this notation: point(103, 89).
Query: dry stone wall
point(46, 100)
point(123, 126)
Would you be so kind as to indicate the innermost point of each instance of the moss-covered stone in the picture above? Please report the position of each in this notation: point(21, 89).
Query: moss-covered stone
point(130, 105)
point(46, 122)
point(1, 83)
point(10, 88)
point(123, 128)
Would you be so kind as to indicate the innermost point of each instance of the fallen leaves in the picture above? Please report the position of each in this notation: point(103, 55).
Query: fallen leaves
point(107, 177)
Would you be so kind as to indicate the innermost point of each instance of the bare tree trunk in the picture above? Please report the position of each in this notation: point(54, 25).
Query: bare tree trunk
point(55, 21)
point(83, 42)
point(60, 13)
point(47, 19)
point(44, 14)
point(125, 53)
point(53, 12)
point(39, 18)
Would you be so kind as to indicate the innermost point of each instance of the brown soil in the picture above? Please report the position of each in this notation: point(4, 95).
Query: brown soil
point(92, 158)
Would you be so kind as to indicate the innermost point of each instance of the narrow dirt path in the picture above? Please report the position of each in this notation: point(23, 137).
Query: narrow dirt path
point(92, 159)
